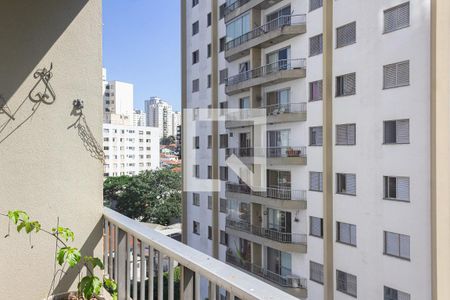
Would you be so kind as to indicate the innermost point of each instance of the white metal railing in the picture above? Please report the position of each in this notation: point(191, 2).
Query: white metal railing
point(279, 22)
point(269, 152)
point(235, 5)
point(133, 253)
point(249, 114)
point(278, 66)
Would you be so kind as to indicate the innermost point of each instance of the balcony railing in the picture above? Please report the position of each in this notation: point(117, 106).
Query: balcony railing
point(271, 192)
point(235, 5)
point(271, 234)
point(266, 28)
point(281, 65)
point(284, 108)
point(133, 254)
point(289, 281)
point(270, 152)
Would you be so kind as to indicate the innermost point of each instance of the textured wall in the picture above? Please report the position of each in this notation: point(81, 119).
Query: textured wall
point(45, 167)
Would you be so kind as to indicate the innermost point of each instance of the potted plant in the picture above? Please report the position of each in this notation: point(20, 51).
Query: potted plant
point(90, 286)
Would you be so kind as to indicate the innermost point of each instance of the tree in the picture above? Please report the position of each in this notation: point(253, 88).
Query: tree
point(113, 187)
point(167, 140)
point(152, 196)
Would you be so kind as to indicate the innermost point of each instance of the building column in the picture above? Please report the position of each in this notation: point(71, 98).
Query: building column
point(440, 145)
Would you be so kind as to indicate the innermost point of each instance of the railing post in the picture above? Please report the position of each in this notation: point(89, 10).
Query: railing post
point(187, 284)
point(122, 260)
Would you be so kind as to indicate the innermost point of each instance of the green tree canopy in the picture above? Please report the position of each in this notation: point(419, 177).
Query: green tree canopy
point(167, 140)
point(152, 196)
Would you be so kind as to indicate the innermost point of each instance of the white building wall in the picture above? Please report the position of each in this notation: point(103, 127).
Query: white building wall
point(130, 150)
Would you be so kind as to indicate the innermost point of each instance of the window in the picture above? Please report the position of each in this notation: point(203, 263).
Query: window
point(346, 85)
point(314, 4)
point(209, 172)
point(396, 18)
point(223, 238)
point(316, 272)
point(195, 85)
point(196, 142)
point(208, 80)
point(238, 27)
point(194, 2)
point(222, 11)
point(223, 106)
point(315, 45)
point(396, 244)
point(197, 171)
point(223, 205)
point(195, 28)
point(209, 202)
point(393, 294)
point(396, 75)
point(208, 20)
point(208, 50)
point(195, 57)
point(196, 199)
point(396, 188)
point(346, 35)
point(315, 181)
point(396, 132)
point(209, 233)
point(224, 141)
point(223, 74)
point(196, 227)
point(315, 90)
point(346, 134)
point(222, 43)
point(224, 173)
point(316, 226)
point(346, 283)
point(315, 136)
point(346, 184)
point(346, 233)
point(209, 141)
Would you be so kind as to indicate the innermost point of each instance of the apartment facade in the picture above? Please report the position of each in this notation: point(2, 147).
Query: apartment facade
point(130, 150)
point(350, 95)
point(118, 102)
point(160, 114)
point(139, 118)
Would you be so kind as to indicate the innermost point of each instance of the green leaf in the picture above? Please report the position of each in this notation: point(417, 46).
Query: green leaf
point(68, 254)
point(64, 233)
point(111, 287)
point(90, 286)
point(94, 261)
point(18, 215)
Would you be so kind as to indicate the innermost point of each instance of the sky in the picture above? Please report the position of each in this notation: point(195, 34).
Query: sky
point(141, 45)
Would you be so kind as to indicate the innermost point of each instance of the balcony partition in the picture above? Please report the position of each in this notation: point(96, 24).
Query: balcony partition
point(128, 241)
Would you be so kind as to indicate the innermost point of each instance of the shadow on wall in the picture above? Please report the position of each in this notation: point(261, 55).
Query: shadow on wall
point(41, 93)
point(84, 132)
point(22, 26)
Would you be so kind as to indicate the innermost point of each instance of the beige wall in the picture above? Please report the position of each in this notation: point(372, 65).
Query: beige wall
point(45, 168)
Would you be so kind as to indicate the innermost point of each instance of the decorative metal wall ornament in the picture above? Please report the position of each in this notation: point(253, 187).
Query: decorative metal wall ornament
point(48, 96)
point(85, 133)
point(5, 109)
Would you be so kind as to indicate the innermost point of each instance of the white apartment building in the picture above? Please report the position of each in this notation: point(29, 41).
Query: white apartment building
point(159, 114)
point(130, 150)
point(346, 88)
point(139, 118)
point(118, 102)
point(176, 121)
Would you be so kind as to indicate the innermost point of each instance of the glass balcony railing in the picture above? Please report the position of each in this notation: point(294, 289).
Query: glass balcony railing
point(281, 193)
point(280, 22)
point(289, 281)
point(269, 152)
point(271, 234)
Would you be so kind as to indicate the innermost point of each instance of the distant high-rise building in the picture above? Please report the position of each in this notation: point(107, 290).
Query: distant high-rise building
point(176, 122)
point(117, 102)
point(160, 114)
point(139, 118)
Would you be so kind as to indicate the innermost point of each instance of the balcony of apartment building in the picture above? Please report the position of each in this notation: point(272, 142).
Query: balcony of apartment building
point(277, 270)
point(276, 237)
point(280, 70)
point(238, 7)
point(52, 167)
point(274, 31)
point(276, 112)
point(282, 197)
